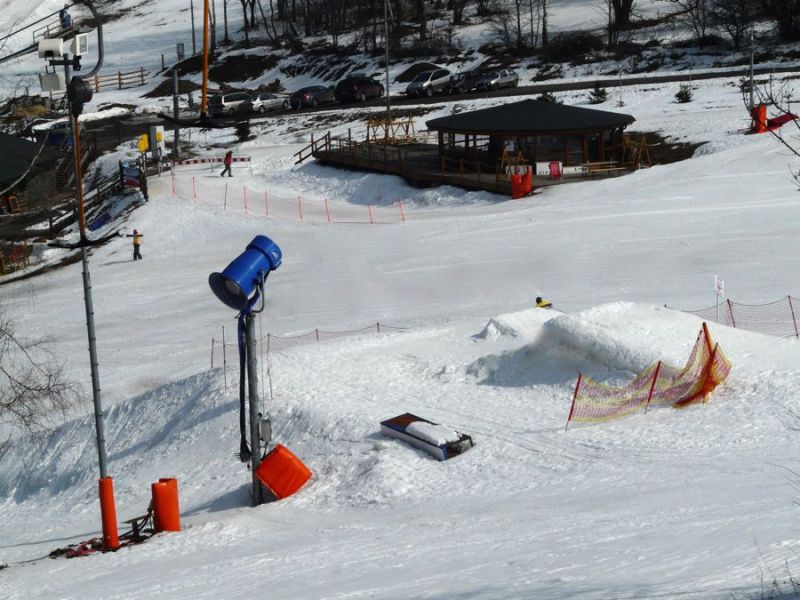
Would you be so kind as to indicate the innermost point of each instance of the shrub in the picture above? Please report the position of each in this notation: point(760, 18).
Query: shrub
point(684, 94)
point(598, 95)
point(548, 97)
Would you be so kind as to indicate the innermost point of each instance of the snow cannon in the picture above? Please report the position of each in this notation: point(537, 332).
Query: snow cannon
point(246, 273)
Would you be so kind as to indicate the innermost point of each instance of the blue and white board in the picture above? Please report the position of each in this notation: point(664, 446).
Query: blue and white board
point(437, 440)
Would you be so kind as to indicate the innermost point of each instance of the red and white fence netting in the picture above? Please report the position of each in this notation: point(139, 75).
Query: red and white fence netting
point(661, 383)
point(252, 202)
point(777, 318)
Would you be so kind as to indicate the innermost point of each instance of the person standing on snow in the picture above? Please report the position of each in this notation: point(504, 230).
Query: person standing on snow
point(137, 245)
point(227, 161)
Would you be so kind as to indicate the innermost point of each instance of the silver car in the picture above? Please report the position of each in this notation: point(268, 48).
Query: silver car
point(265, 101)
point(429, 83)
point(494, 80)
point(226, 105)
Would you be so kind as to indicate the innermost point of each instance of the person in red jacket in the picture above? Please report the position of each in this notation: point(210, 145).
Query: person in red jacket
point(227, 161)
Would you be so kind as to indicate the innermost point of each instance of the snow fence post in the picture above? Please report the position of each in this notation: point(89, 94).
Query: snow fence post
point(652, 386)
point(574, 396)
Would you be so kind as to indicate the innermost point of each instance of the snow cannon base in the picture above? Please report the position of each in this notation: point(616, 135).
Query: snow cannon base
point(282, 472)
point(437, 440)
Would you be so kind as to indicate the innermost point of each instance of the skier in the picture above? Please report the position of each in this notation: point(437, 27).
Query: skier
point(137, 245)
point(542, 303)
point(227, 161)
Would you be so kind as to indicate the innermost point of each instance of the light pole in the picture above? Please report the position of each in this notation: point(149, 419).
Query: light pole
point(79, 93)
point(386, 38)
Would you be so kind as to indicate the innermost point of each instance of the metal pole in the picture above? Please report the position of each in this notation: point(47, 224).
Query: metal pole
point(225, 19)
point(252, 384)
point(176, 149)
point(752, 59)
point(194, 44)
point(386, 36)
point(87, 292)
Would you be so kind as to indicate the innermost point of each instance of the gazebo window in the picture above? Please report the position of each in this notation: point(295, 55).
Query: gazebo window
point(574, 149)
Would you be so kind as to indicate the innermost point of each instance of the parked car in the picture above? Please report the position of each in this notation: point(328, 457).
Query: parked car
point(226, 105)
point(494, 80)
point(463, 82)
point(357, 87)
point(429, 83)
point(265, 101)
point(312, 96)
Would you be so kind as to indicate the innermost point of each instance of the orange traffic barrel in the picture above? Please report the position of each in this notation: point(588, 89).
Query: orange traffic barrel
point(166, 509)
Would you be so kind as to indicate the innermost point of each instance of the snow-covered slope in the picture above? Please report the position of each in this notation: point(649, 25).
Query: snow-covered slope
point(693, 503)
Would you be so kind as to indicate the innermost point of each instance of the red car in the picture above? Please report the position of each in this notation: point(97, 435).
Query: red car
point(312, 95)
point(357, 87)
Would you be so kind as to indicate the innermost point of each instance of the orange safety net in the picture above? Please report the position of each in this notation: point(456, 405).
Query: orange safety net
point(705, 369)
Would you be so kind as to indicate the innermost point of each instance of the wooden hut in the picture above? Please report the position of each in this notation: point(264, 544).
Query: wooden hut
point(541, 131)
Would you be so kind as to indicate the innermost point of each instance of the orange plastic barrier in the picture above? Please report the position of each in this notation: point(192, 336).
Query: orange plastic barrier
point(166, 509)
point(108, 514)
point(759, 118)
point(282, 472)
point(527, 180)
point(555, 169)
point(517, 186)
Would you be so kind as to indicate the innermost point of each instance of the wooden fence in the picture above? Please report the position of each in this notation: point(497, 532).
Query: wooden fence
point(119, 80)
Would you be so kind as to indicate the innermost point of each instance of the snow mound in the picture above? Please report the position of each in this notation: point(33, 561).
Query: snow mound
point(609, 343)
point(523, 323)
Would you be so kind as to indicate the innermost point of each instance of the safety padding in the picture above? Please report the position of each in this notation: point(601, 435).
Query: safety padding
point(282, 472)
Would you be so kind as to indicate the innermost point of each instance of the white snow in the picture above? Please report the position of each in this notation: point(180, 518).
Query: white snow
point(693, 503)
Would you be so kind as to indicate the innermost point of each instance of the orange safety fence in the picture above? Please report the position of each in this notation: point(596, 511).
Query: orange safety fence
point(263, 203)
point(777, 318)
point(705, 369)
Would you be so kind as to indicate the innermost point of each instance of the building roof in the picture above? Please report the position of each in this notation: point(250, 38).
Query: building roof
point(16, 155)
point(530, 117)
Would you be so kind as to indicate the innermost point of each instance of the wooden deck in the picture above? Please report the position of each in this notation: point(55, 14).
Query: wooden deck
point(421, 165)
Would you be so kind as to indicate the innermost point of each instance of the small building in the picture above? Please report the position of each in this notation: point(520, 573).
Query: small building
point(486, 149)
point(541, 131)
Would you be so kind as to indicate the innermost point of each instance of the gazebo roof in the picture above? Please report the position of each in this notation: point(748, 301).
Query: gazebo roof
point(530, 117)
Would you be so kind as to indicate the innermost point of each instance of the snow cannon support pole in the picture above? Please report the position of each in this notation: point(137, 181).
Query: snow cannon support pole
point(108, 514)
point(574, 396)
point(252, 385)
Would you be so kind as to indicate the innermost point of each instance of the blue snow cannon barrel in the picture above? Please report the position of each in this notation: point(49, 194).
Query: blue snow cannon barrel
point(239, 280)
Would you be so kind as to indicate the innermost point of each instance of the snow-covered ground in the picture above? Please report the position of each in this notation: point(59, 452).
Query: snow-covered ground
point(693, 503)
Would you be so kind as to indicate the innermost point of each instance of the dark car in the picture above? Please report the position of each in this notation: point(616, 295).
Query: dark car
point(463, 82)
point(357, 87)
point(312, 95)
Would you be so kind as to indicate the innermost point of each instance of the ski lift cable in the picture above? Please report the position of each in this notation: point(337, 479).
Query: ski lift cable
point(21, 29)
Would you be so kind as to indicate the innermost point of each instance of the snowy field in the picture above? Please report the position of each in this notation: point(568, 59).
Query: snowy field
point(694, 503)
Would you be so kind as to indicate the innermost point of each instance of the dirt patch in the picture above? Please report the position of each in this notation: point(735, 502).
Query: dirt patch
point(165, 88)
point(664, 150)
point(241, 67)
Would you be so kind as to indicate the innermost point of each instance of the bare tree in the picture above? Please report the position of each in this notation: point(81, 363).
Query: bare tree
point(778, 99)
point(697, 14)
point(32, 382)
point(786, 14)
point(735, 17)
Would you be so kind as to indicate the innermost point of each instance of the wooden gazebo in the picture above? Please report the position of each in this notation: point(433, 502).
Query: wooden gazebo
point(533, 131)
